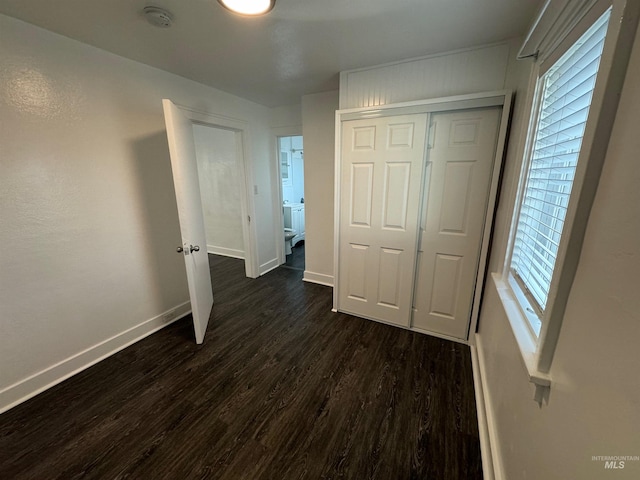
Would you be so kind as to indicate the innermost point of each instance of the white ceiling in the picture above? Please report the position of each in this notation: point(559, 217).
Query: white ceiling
point(298, 48)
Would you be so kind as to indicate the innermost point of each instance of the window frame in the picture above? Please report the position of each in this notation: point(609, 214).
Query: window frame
point(537, 351)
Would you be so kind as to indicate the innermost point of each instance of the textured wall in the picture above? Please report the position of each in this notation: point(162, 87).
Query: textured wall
point(318, 115)
point(594, 404)
point(220, 189)
point(87, 207)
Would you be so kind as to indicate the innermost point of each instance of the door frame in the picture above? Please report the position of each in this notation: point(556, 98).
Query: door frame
point(503, 98)
point(241, 130)
point(278, 213)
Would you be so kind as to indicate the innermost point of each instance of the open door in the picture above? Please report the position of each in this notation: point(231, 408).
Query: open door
point(194, 244)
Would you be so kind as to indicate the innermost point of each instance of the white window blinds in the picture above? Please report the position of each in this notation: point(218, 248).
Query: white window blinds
point(567, 88)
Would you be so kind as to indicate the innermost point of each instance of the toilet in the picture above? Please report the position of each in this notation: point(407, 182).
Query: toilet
point(289, 233)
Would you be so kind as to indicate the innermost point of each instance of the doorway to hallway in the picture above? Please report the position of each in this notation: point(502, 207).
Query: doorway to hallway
point(291, 166)
point(220, 189)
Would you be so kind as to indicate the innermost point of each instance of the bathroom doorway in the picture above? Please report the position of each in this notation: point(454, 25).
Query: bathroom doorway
point(291, 165)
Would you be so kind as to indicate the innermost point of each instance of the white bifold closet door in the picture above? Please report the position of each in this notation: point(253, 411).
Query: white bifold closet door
point(461, 157)
point(381, 177)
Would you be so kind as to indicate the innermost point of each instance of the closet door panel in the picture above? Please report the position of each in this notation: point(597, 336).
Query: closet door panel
point(455, 204)
point(381, 176)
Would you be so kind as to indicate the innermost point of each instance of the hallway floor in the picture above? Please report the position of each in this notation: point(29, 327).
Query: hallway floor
point(282, 388)
point(296, 259)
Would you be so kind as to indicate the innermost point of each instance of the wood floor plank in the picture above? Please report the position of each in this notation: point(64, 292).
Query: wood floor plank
point(282, 388)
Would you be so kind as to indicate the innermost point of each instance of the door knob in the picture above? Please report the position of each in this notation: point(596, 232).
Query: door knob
point(194, 248)
point(179, 249)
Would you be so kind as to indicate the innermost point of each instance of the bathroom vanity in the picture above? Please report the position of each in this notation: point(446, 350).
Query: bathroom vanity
point(294, 219)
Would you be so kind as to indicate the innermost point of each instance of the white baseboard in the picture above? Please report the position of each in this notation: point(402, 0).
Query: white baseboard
point(489, 445)
point(438, 335)
point(31, 386)
point(225, 252)
point(268, 266)
point(319, 278)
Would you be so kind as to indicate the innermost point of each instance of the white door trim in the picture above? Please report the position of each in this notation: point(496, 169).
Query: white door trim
point(502, 98)
point(241, 129)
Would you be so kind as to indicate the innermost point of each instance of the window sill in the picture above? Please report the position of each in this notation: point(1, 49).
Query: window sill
point(527, 345)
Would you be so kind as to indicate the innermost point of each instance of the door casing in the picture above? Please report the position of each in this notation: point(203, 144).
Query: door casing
point(501, 98)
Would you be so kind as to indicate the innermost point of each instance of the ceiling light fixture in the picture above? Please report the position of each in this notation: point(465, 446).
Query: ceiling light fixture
point(248, 7)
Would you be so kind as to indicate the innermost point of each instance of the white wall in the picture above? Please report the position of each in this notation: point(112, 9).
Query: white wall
point(594, 404)
point(297, 164)
point(318, 121)
point(220, 189)
point(287, 120)
point(87, 208)
point(293, 191)
point(284, 150)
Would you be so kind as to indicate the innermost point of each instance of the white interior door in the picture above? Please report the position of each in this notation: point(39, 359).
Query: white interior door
point(381, 177)
point(194, 243)
point(461, 156)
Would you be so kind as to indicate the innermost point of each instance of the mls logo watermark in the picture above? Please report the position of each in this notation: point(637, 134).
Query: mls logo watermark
point(615, 462)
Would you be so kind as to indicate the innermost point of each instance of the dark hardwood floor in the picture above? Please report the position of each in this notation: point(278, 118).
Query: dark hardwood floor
point(281, 389)
point(296, 259)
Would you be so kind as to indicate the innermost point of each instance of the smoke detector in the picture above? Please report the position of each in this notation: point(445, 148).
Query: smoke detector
point(158, 17)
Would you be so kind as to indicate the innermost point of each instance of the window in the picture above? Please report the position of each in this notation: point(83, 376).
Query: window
point(581, 57)
point(564, 99)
